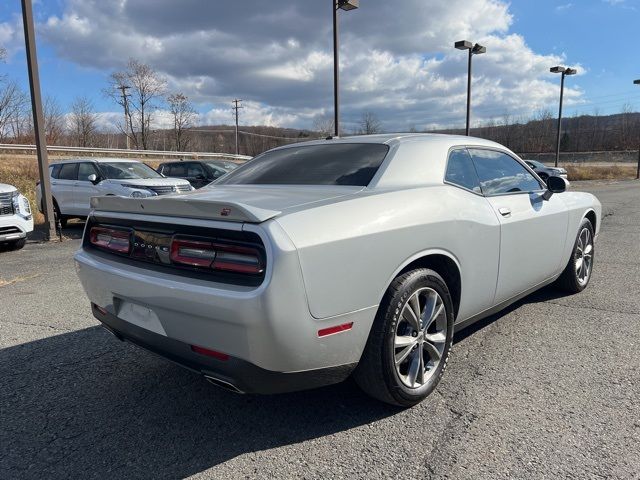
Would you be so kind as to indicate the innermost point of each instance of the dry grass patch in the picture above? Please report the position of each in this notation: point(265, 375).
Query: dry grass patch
point(614, 172)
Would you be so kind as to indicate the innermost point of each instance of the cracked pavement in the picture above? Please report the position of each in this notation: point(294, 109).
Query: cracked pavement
point(548, 388)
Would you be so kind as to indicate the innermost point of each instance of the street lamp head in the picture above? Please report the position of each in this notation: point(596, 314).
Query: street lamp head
point(570, 71)
point(464, 45)
point(557, 70)
point(478, 49)
point(636, 82)
point(348, 4)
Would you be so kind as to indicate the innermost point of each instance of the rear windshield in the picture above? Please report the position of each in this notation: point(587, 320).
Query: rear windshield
point(338, 164)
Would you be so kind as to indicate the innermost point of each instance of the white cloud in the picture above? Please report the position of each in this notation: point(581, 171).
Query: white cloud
point(397, 61)
point(564, 7)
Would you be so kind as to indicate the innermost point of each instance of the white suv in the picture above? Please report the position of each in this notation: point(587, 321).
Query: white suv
point(15, 217)
point(74, 182)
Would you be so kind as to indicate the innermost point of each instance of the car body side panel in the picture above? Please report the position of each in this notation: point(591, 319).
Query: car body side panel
point(531, 235)
point(578, 204)
point(349, 251)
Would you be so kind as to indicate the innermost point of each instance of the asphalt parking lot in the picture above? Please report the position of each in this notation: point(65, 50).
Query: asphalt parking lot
point(549, 388)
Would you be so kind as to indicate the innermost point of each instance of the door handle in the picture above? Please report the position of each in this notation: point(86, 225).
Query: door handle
point(505, 212)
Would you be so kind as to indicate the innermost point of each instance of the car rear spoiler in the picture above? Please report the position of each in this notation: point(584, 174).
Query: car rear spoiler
point(183, 206)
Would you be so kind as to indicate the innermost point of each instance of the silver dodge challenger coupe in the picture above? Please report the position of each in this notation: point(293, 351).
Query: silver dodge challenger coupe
point(347, 256)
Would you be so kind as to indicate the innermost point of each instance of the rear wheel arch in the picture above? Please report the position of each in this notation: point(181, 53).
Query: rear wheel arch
point(591, 216)
point(445, 265)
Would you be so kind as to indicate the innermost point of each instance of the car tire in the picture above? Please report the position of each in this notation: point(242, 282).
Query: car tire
point(575, 278)
point(58, 216)
point(18, 244)
point(381, 370)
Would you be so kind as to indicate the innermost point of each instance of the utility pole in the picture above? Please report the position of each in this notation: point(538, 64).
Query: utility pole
point(125, 103)
point(237, 107)
point(38, 117)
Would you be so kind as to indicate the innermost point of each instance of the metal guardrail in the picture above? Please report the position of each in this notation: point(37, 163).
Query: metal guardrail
point(123, 152)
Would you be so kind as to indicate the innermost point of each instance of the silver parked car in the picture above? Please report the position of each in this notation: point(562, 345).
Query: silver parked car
point(320, 260)
point(545, 172)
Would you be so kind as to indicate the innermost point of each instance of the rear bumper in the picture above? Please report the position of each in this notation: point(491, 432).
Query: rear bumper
point(243, 376)
point(268, 325)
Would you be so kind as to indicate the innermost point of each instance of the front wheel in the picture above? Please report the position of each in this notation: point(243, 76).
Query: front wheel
point(410, 341)
point(18, 244)
point(577, 273)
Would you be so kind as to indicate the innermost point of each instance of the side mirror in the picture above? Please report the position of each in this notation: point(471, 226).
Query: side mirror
point(555, 185)
point(93, 178)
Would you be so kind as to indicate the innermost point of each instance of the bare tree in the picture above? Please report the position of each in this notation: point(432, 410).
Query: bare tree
point(136, 89)
point(184, 116)
point(13, 102)
point(54, 122)
point(324, 125)
point(82, 121)
point(369, 124)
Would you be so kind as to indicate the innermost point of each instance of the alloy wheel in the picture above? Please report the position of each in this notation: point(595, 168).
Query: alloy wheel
point(584, 256)
point(420, 337)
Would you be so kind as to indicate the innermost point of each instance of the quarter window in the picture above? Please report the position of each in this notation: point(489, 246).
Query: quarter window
point(55, 170)
point(500, 173)
point(461, 172)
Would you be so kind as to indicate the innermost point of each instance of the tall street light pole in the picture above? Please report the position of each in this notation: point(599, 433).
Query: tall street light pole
point(338, 5)
point(476, 49)
point(565, 72)
point(637, 82)
point(38, 117)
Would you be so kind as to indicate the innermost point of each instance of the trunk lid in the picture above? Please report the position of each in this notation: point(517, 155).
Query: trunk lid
point(234, 203)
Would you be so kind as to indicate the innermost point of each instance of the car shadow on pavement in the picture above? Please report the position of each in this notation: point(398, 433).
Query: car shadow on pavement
point(550, 292)
point(84, 405)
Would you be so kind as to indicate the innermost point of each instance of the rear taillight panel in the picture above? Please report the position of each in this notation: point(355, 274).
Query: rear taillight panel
point(111, 239)
point(216, 255)
point(220, 255)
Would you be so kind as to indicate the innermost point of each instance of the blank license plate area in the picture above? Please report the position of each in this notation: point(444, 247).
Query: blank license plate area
point(140, 316)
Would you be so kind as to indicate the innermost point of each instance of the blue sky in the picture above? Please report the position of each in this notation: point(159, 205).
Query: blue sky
point(279, 60)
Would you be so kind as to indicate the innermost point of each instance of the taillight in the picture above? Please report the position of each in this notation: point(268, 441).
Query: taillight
point(110, 239)
point(216, 256)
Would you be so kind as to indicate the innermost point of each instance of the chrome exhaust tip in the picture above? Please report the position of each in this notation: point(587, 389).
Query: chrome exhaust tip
point(223, 384)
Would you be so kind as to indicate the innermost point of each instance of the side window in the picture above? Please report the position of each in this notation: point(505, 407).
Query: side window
point(55, 170)
point(194, 169)
point(177, 170)
point(500, 173)
point(86, 169)
point(68, 171)
point(461, 172)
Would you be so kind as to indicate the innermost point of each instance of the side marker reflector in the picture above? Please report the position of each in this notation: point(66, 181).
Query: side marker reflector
point(210, 353)
point(333, 330)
